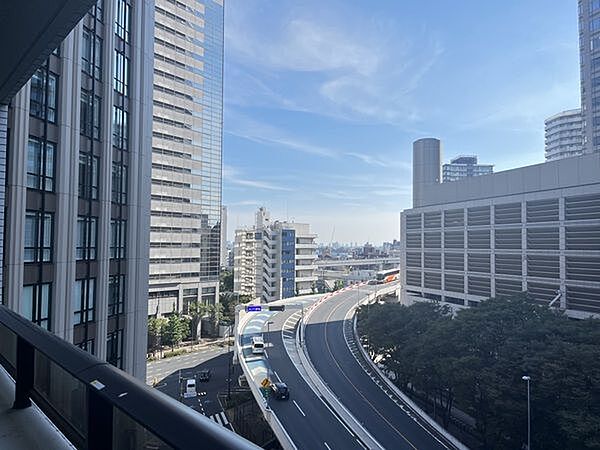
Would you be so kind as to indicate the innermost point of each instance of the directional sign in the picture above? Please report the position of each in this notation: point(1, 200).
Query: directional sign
point(253, 308)
point(265, 383)
point(277, 308)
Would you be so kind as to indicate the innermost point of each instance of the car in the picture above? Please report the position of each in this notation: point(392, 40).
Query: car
point(258, 345)
point(204, 375)
point(280, 391)
point(190, 388)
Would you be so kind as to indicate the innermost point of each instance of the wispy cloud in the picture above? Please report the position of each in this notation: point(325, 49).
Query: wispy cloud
point(234, 176)
point(346, 69)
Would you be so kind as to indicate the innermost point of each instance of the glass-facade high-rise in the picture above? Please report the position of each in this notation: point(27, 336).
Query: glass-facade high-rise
point(186, 154)
point(589, 53)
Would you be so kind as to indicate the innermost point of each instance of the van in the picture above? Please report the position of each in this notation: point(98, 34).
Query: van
point(258, 345)
point(190, 388)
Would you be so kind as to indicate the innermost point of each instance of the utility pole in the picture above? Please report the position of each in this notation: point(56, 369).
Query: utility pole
point(528, 379)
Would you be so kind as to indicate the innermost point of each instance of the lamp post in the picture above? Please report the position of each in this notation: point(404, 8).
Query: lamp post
point(528, 379)
point(269, 323)
point(229, 358)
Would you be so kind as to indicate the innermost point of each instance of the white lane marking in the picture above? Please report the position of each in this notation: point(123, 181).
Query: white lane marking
point(337, 418)
point(299, 409)
point(224, 418)
point(216, 418)
point(325, 443)
point(277, 376)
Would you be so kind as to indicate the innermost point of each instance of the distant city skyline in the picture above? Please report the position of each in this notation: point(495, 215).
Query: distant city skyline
point(324, 99)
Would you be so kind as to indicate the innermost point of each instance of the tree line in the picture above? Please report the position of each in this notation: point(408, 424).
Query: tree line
point(474, 360)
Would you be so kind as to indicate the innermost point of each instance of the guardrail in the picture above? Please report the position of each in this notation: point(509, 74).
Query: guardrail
point(95, 405)
point(323, 390)
point(282, 436)
point(432, 424)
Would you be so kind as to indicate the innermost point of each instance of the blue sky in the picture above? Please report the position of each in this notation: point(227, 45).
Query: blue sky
point(323, 99)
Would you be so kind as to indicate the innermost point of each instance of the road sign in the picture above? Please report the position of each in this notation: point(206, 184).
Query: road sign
point(265, 383)
point(253, 308)
point(277, 308)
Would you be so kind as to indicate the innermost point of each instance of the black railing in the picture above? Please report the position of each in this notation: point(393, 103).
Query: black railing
point(95, 405)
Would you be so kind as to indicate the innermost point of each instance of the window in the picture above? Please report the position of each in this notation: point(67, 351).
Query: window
point(87, 345)
point(119, 183)
point(116, 294)
point(91, 54)
point(118, 237)
point(42, 94)
point(37, 304)
point(595, 24)
point(114, 348)
point(121, 73)
point(122, 16)
point(120, 128)
point(88, 176)
point(87, 231)
point(40, 165)
point(100, 14)
point(83, 301)
point(594, 5)
point(90, 115)
point(38, 237)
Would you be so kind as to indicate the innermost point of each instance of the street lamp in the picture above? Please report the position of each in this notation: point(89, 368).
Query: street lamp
point(528, 379)
point(269, 323)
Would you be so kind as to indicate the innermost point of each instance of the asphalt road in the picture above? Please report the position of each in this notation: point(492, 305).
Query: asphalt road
point(308, 421)
point(167, 372)
point(370, 405)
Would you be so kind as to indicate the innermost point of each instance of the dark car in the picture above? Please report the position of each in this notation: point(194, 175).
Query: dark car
point(280, 391)
point(204, 375)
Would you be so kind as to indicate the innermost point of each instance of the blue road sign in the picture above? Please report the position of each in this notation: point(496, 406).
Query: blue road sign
point(253, 308)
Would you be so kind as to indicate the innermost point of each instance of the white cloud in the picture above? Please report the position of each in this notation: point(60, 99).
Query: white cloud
point(359, 70)
point(233, 175)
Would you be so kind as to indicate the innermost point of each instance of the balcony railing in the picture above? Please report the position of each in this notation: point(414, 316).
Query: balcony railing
point(95, 405)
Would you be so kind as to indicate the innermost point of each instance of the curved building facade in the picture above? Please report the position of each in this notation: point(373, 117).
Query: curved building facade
point(563, 135)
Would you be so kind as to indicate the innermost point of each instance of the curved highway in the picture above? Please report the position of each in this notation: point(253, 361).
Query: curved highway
point(390, 422)
point(309, 421)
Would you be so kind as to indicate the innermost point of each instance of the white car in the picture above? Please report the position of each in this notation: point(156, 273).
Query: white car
point(190, 388)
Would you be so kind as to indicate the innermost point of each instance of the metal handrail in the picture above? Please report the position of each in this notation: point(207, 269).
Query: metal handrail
point(106, 388)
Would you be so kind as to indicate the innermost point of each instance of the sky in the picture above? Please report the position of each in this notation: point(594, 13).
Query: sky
point(323, 99)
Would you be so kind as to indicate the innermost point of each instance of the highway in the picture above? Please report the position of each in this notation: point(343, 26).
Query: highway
point(390, 423)
point(310, 423)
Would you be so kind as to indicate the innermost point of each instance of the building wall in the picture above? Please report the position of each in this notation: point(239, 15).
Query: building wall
point(563, 135)
point(589, 51)
point(536, 228)
point(81, 206)
point(277, 259)
point(186, 155)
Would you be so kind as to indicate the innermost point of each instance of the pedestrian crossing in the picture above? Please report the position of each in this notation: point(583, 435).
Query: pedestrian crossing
point(221, 419)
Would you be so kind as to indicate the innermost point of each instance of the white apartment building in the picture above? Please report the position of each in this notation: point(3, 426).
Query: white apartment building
point(563, 135)
point(185, 232)
point(275, 260)
point(464, 166)
point(534, 229)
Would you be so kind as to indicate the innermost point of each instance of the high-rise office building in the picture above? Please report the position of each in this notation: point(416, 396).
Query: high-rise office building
point(224, 252)
point(78, 186)
point(274, 260)
point(589, 54)
point(463, 167)
point(563, 135)
point(534, 229)
point(185, 232)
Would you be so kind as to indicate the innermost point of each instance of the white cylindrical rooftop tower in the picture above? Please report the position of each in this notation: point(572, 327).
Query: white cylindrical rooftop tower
point(427, 166)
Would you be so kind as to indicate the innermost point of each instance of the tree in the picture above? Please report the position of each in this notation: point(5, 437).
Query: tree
point(155, 327)
point(196, 310)
point(475, 359)
point(173, 331)
point(226, 281)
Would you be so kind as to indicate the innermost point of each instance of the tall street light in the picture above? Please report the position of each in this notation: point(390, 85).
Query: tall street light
point(528, 379)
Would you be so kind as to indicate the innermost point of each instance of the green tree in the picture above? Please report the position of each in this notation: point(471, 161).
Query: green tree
point(226, 281)
point(173, 330)
point(196, 310)
point(155, 327)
